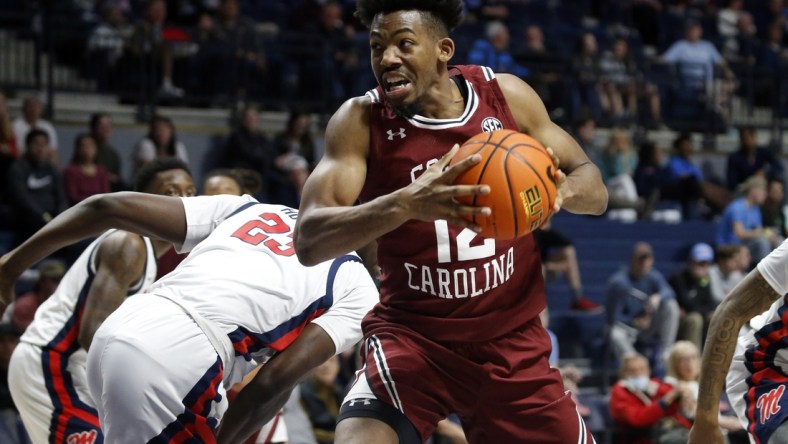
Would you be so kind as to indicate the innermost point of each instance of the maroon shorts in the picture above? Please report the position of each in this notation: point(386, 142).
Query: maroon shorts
point(502, 390)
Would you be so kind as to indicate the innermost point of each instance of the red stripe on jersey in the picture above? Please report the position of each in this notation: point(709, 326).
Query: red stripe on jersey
point(288, 338)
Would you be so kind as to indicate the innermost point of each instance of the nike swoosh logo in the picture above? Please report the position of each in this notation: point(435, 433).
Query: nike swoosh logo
point(36, 183)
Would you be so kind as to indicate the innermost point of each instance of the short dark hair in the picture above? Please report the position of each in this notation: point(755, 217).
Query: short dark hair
point(148, 172)
point(35, 132)
point(224, 172)
point(681, 138)
point(446, 14)
point(95, 118)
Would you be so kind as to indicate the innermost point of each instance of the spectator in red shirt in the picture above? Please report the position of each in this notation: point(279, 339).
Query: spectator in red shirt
point(638, 403)
point(24, 307)
point(83, 177)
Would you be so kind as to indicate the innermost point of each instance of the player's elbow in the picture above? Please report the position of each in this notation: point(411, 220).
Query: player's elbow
point(601, 202)
point(305, 250)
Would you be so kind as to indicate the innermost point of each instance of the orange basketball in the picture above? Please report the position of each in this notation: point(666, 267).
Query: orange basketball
point(520, 174)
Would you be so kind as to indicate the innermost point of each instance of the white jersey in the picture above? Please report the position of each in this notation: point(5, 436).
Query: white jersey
point(243, 274)
point(57, 321)
point(760, 362)
point(47, 372)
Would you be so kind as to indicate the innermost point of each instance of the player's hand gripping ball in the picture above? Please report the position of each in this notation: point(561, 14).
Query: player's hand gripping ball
point(521, 177)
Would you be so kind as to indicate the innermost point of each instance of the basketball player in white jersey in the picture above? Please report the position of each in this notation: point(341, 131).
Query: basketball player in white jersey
point(749, 333)
point(47, 370)
point(158, 366)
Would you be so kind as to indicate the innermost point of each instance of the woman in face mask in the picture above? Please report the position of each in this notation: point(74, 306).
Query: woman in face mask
point(638, 402)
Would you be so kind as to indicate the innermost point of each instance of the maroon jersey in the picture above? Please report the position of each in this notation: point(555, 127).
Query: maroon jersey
point(442, 281)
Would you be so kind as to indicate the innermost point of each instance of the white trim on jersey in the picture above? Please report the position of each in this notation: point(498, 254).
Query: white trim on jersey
point(581, 439)
point(373, 95)
point(385, 376)
point(437, 124)
point(489, 74)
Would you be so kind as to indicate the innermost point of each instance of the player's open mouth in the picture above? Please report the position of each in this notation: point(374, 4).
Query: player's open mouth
point(395, 85)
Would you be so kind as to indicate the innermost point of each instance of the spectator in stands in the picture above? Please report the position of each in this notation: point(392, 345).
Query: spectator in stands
point(639, 402)
point(584, 133)
point(106, 155)
point(337, 62)
point(750, 159)
point(587, 93)
point(545, 64)
point(569, 372)
point(742, 222)
point(11, 431)
point(683, 372)
point(83, 177)
point(297, 138)
point(30, 119)
point(209, 74)
point(161, 141)
point(728, 269)
point(247, 147)
point(560, 257)
point(8, 154)
point(24, 307)
point(618, 80)
point(773, 209)
point(687, 179)
point(617, 164)
point(696, 60)
point(650, 176)
point(149, 46)
point(107, 44)
point(35, 188)
point(692, 285)
point(738, 33)
point(295, 155)
point(8, 143)
point(321, 398)
point(242, 49)
point(641, 306)
point(771, 57)
point(493, 51)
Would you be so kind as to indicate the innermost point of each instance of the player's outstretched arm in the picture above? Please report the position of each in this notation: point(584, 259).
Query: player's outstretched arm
point(147, 214)
point(751, 297)
point(259, 400)
point(583, 190)
point(329, 225)
point(120, 261)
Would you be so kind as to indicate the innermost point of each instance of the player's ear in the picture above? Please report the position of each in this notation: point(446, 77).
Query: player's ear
point(445, 49)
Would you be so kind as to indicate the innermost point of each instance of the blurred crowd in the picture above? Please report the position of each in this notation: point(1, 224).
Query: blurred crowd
point(629, 67)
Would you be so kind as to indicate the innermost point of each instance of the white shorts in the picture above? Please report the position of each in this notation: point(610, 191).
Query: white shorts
point(274, 431)
point(50, 390)
point(155, 375)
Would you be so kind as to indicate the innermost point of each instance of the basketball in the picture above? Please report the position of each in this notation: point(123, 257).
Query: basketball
point(520, 174)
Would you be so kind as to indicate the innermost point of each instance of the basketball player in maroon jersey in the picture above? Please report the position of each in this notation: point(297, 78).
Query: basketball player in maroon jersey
point(457, 328)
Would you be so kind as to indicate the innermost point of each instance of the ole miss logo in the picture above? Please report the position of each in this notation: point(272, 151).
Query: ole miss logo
point(82, 438)
point(769, 403)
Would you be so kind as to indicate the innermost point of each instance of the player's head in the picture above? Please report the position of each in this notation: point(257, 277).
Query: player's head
point(222, 181)
point(37, 145)
point(684, 361)
point(168, 176)
point(410, 46)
